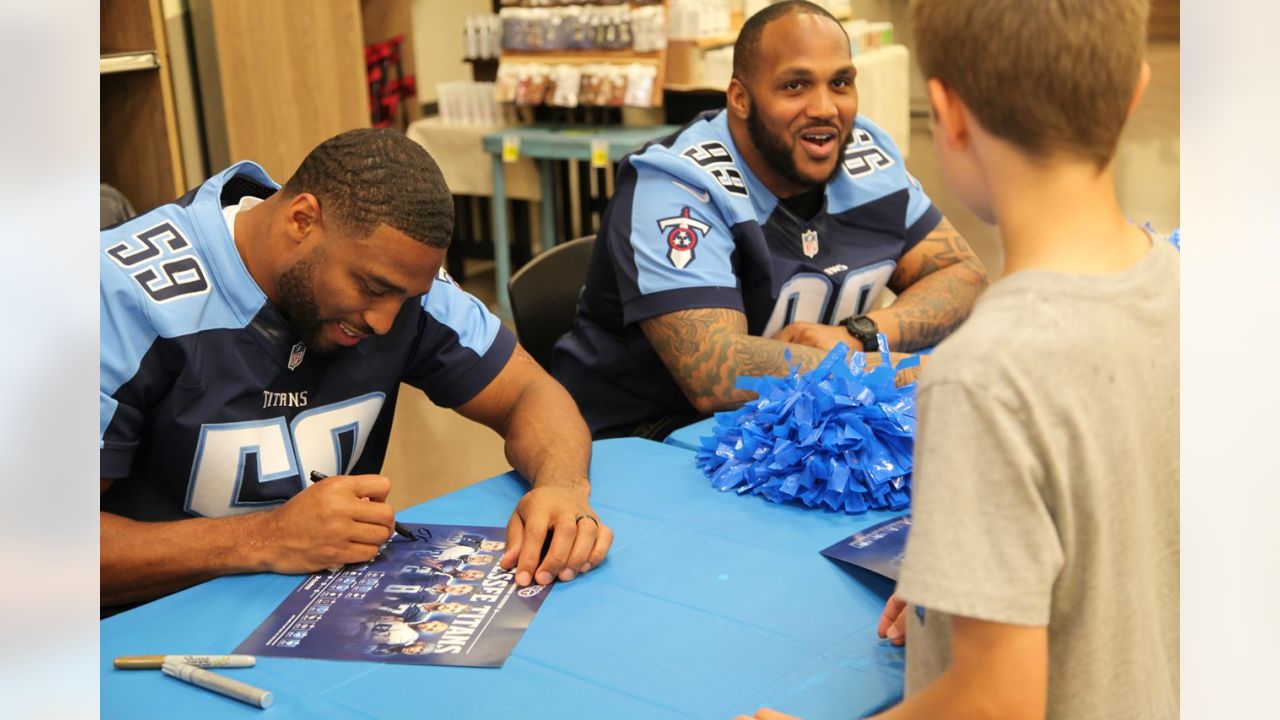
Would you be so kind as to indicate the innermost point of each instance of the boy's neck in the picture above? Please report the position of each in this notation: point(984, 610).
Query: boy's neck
point(1063, 217)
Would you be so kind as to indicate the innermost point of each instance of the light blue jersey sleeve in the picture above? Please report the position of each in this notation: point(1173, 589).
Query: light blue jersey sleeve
point(672, 248)
point(462, 346)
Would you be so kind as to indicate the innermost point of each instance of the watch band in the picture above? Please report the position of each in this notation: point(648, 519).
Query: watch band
point(865, 330)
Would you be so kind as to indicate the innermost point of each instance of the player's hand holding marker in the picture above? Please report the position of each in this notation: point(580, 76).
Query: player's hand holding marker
point(345, 519)
point(579, 541)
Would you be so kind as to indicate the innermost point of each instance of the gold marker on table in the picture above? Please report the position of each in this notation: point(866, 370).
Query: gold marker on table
point(152, 662)
point(401, 530)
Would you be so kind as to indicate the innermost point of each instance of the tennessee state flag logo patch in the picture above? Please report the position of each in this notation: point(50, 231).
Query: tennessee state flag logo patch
point(682, 237)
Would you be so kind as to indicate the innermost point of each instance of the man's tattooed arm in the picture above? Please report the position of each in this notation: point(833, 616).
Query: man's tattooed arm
point(937, 283)
point(707, 349)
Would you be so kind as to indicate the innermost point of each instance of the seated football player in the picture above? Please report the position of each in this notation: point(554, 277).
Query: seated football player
point(769, 226)
point(253, 333)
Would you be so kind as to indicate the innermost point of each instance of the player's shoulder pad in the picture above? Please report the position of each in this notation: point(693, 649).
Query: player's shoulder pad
point(871, 167)
point(176, 265)
point(155, 267)
point(699, 167)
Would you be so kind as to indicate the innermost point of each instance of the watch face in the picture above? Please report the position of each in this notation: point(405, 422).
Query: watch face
point(865, 331)
point(863, 326)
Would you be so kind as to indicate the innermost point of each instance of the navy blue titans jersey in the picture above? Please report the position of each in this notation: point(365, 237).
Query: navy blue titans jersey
point(689, 226)
point(211, 407)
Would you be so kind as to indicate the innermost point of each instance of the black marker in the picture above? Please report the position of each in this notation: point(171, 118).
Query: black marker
point(401, 530)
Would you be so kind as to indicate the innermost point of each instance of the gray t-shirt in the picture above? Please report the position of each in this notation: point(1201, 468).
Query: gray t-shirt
point(1046, 485)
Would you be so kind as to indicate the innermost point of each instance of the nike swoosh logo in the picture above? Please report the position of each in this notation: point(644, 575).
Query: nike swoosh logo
point(703, 196)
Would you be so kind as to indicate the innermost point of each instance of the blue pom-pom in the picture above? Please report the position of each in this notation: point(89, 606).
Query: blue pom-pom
point(838, 437)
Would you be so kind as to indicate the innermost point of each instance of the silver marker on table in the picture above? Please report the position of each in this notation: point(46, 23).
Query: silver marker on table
point(222, 685)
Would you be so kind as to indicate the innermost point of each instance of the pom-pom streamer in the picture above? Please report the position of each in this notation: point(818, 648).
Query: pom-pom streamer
point(839, 436)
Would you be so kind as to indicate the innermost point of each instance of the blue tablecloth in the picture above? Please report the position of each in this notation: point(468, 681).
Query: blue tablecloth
point(710, 604)
point(689, 437)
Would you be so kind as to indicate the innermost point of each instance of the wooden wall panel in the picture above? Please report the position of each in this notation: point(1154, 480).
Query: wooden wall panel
point(288, 75)
point(125, 26)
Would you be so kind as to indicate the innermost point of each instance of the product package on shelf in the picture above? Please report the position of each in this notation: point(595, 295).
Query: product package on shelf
point(468, 103)
point(482, 37)
point(694, 19)
point(505, 83)
point(640, 82)
point(572, 27)
point(567, 80)
point(648, 28)
point(531, 83)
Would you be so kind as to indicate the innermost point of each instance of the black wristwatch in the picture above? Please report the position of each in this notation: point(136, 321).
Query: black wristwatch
point(865, 331)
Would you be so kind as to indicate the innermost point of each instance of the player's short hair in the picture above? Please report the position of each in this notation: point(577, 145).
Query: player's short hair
point(1048, 77)
point(746, 49)
point(368, 177)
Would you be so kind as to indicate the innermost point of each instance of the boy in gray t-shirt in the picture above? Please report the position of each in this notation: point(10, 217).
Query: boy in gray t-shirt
point(1041, 574)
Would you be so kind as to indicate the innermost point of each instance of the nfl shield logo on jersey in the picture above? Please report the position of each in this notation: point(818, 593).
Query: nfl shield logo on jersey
point(809, 239)
point(682, 237)
point(296, 355)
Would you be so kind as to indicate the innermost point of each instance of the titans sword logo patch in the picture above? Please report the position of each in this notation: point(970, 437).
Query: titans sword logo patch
point(682, 237)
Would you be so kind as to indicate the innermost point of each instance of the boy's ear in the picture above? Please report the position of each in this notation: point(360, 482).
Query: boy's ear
point(949, 115)
point(1144, 79)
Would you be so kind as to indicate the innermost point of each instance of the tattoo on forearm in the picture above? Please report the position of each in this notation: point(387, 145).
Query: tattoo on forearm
point(706, 350)
point(938, 291)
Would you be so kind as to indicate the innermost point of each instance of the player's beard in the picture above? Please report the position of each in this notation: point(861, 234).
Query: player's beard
point(780, 156)
point(298, 301)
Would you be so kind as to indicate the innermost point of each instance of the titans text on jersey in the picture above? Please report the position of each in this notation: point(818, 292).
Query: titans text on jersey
point(690, 226)
point(210, 406)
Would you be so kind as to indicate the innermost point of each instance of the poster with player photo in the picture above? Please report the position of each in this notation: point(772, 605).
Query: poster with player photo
point(442, 600)
point(879, 548)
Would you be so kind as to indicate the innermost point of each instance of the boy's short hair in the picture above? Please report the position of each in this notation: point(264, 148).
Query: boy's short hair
point(1049, 76)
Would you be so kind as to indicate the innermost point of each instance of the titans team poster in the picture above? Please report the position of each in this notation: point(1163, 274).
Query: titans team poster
point(442, 600)
point(880, 548)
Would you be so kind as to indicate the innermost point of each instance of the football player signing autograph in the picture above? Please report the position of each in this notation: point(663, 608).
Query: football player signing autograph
point(253, 334)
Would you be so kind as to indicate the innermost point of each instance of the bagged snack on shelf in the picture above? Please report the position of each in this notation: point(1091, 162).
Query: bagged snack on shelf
point(505, 83)
point(594, 24)
point(640, 80)
point(648, 28)
point(567, 80)
point(626, 34)
point(589, 86)
point(532, 86)
point(572, 31)
point(557, 35)
point(522, 84)
point(512, 28)
point(538, 28)
point(614, 88)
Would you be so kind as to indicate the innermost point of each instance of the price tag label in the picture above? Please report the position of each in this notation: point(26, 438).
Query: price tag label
point(599, 153)
point(510, 148)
